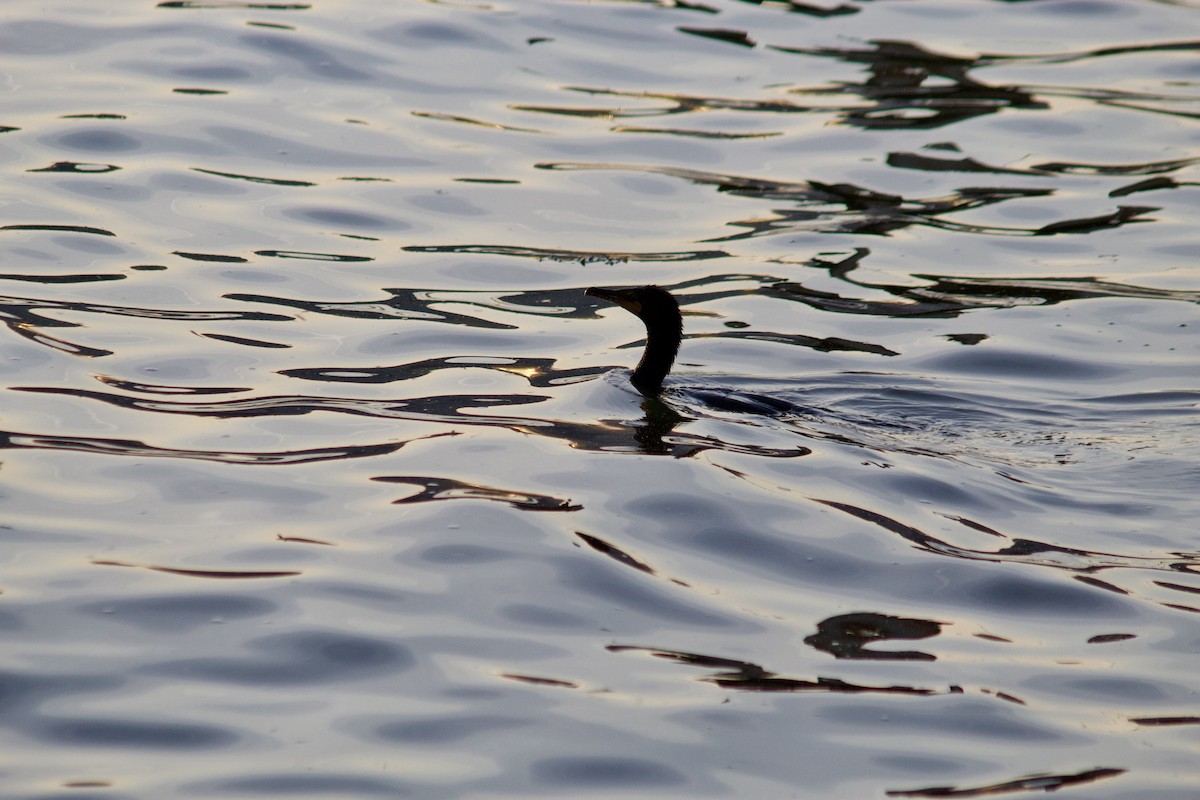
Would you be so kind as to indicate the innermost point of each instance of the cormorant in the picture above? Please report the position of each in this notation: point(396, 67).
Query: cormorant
point(664, 330)
point(656, 307)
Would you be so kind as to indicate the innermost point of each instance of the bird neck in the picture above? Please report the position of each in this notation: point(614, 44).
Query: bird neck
point(662, 343)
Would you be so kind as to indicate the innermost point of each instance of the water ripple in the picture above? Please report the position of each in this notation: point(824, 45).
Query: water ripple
point(917, 501)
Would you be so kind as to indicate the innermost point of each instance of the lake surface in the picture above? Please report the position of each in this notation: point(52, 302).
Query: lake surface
point(322, 476)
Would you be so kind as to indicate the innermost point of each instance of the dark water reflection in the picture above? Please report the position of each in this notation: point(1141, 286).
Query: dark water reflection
point(914, 516)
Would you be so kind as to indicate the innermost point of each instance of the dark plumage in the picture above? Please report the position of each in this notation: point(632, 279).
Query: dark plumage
point(664, 330)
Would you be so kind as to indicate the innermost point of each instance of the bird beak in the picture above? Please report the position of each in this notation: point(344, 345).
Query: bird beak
point(618, 297)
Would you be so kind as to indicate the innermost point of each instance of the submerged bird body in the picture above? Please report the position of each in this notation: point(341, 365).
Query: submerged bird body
point(659, 311)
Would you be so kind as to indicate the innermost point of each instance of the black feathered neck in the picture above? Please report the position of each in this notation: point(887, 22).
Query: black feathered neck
point(659, 311)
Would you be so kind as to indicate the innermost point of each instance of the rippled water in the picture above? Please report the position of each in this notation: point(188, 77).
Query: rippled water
point(323, 477)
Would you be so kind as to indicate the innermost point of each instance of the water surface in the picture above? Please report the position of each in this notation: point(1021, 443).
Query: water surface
point(323, 476)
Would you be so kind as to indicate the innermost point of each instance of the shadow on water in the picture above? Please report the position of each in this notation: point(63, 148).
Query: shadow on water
point(911, 86)
point(432, 489)
point(937, 296)
point(748, 677)
point(20, 315)
point(10, 440)
point(950, 296)
point(849, 208)
point(908, 86)
point(653, 434)
point(1084, 564)
point(848, 636)
point(1029, 783)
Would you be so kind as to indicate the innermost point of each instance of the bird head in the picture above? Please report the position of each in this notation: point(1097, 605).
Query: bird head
point(648, 303)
